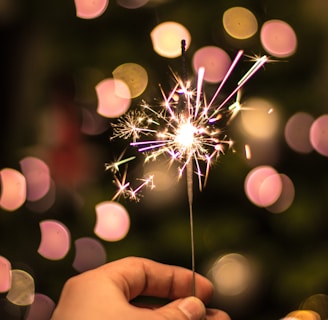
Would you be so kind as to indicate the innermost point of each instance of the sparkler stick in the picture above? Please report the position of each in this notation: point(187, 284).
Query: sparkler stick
point(189, 164)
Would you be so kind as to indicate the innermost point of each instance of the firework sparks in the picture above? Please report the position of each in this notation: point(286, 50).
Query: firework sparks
point(194, 133)
point(124, 189)
point(114, 166)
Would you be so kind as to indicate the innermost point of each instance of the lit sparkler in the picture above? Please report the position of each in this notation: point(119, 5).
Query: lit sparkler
point(186, 128)
point(195, 133)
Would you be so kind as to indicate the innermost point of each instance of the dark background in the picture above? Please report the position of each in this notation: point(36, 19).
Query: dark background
point(45, 50)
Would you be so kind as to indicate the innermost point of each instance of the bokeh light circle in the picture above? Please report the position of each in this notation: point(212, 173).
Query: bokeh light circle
point(114, 98)
point(263, 186)
point(286, 197)
point(22, 288)
point(215, 61)
point(87, 9)
point(37, 175)
point(240, 23)
point(135, 77)
point(297, 132)
point(257, 120)
point(231, 274)
point(5, 274)
point(46, 202)
point(92, 123)
point(41, 308)
point(132, 4)
point(319, 135)
point(55, 240)
point(318, 303)
point(302, 315)
point(166, 38)
point(13, 189)
point(278, 38)
point(89, 254)
point(113, 221)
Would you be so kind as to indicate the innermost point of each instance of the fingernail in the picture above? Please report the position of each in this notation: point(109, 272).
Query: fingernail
point(193, 308)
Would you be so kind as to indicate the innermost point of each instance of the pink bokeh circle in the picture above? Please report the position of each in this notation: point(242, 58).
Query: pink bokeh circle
point(319, 135)
point(278, 38)
point(215, 61)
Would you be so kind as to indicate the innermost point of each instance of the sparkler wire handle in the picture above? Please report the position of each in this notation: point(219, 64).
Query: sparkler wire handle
point(189, 177)
point(191, 219)
point(183, 56)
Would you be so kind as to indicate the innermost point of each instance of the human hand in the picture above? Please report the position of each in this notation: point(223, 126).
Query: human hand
point(105, 293)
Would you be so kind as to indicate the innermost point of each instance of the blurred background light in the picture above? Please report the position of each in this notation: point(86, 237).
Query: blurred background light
point(37, 175)
point(166, 38)
point(318, 304)
point(263, 186)
point(92, 122)
point(215, 61)
point(258, 120)
point(5, 274)
point(46, 202)
point(132, 4)
point(167, 189)
point(89, 254)
point(41, 308)
point(231, 274)
point(286, 198)
point(55, 240)
point(22, 288)
point(114, 98)
point(297, 132)
point(278, 38)
point(87, 9)
point(302, 315)
point(319, 135)
point(240, 23)
point(113, 221)
point(134, 76)
point(13, 189)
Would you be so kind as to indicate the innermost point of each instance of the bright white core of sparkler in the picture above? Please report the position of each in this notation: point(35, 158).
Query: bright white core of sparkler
point(185, 135)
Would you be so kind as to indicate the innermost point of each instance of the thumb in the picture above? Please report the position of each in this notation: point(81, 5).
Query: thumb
point(190, 308)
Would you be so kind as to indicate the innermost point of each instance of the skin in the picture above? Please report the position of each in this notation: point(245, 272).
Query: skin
point(106, 293)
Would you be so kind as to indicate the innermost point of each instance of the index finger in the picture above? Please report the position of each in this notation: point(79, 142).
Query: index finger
point(140, 276)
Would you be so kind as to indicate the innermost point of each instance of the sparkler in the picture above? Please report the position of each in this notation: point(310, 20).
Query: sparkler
point(186, 128)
